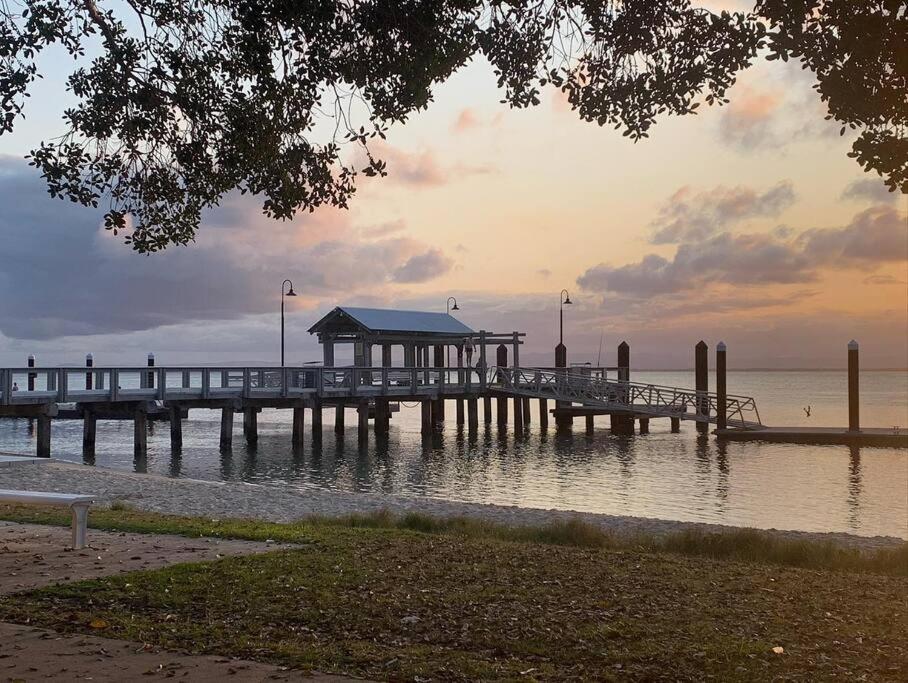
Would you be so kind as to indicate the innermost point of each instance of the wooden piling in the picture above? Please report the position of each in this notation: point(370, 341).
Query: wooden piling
point(526, 411)
point(644, 425)
point(316, 420)
point(502, 411)
point(561, 356)
point(487, 409)
point(721, 388)
point(458, 403)
point(501, 356)
point(250, 426)
point(339, 411)
point(382, 416)
point(676, 425)
point(624, 362)
point(43, 446)
point(562, 421)
point(140, 433)
point(543, 414)
point(426, 409)
point(472, 413)
point(438, 408)
point(621, 424)
point(89, 432)
point(438, 412)
point(590, 424)
point(854, 399)
point(298, 438)
point(176, 428)
point(701, 378)
point(362, 413)
point(226, 428)
point(518, 415)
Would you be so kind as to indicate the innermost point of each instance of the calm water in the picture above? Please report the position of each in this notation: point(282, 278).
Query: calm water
point(672, 476)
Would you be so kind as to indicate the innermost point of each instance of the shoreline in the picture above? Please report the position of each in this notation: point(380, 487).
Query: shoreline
point(219, 500)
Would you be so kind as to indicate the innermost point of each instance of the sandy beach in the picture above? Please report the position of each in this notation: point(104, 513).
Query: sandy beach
point(239, 500)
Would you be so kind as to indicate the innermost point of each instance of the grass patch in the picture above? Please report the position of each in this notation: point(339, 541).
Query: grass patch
point(397, 604)
point(740, 545)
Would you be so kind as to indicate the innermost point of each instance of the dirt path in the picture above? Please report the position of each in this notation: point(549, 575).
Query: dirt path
point(32, 556)
point(33, 654)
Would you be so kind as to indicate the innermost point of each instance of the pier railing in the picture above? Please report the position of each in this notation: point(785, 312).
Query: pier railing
point(27, 386)
point(575, 386)
point(579, 384)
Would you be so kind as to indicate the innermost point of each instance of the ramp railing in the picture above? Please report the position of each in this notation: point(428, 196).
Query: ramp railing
point(576, 386)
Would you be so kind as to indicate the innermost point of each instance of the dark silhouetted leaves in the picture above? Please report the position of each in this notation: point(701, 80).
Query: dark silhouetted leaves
point(184, 101)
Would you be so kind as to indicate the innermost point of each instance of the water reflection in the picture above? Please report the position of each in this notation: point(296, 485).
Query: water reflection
point(250, 461)
point(226, 464)
point(176, 462)
point(723, 477)
point(675, 476)
point(854, 487)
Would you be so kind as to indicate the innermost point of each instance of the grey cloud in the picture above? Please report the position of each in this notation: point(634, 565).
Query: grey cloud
point(869, 189)
point(731, 259)
point(883, 280)
point(874, 236)
point(690, 216)
point(423, 267)
point(61, 274)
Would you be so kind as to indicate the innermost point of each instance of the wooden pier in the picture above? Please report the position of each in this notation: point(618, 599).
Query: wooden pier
point(170, 392)
point(424, 340)
point(153, 393)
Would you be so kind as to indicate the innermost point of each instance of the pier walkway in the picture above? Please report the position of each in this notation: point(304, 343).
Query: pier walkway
point(142, 393)
point(206, 387)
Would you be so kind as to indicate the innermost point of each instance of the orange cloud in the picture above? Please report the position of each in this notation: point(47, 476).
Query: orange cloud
point(747, 120)
point(466, 120)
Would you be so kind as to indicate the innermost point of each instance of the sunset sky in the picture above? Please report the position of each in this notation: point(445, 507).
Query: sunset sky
point(746, 223)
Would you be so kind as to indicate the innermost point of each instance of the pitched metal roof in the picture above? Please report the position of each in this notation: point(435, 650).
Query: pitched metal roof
point(391, 320)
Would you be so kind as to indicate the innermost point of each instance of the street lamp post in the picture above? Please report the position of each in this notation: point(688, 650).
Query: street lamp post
point(561, 420)
point(290, 292)
point(565, 299)
point(450, 308)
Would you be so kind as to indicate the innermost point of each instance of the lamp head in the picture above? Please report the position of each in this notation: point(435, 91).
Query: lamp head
point(455, 307)
point(568, 299)
point(291, 292)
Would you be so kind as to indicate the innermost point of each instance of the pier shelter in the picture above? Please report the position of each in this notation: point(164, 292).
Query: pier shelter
point(453, 343)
